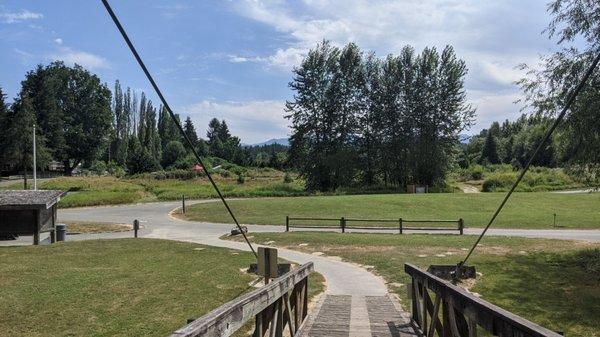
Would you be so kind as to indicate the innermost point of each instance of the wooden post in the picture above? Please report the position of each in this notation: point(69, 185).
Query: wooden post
point(400, 225)
point(461, 226)
point(53, 231)
point(287, 223)
point(267, 263)
point(36, 229)
point(343, 224)
point(136, 227)
point(183, 203)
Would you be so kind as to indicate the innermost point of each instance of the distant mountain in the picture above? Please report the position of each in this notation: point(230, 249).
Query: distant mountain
point(280, 141)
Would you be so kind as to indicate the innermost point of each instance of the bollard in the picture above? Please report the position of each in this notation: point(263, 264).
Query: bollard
point(136, 227)
point(400, 225)
point(61, 232)
point(183, 203)
point(287, 223)
point(461, 225)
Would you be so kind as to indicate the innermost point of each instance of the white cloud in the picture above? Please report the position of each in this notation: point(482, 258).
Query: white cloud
point(252, 121)
point(493, 37)
point(58, 41)
point(23, 15)
point(82, 58)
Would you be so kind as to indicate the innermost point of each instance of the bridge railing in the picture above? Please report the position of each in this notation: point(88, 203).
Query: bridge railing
point(281, 304)
point(443, 309)
point(399, 224)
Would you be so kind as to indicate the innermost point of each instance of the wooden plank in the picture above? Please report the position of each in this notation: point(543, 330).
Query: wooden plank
point(488, 315)
point(231, 316)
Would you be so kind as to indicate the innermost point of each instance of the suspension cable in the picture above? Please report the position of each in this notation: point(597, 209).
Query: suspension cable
point(568, 103)
point(168, 108)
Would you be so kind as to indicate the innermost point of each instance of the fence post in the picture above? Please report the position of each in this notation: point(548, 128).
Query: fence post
point(400, 225)
point(183, 203)
point(343, 224)
point(136, 227)
point(287, 223)
point(461, 225)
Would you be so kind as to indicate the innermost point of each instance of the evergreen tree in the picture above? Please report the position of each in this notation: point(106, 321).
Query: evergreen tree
point(190, 131)
point(223, 132)
point(120, 131)
point(490, 150)
point(4, 120)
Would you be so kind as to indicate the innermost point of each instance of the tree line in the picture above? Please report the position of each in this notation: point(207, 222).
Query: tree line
point(80, 121)
point(360, 119)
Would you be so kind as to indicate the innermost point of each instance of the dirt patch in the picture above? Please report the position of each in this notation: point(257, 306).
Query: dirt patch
point(96, 227)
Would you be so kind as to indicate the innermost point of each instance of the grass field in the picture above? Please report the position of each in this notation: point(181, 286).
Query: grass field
point(108, 190)
point(524, 210)
point(129, 287)
point(553, 283)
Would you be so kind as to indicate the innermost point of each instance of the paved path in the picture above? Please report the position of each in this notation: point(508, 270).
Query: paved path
point(360, 300)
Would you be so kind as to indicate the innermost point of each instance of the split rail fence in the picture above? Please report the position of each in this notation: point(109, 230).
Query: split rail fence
point(401, 225)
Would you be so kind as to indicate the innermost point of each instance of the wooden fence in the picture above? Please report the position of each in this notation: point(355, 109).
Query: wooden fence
point(344, 224)
point(277, 305)
point(462, 314)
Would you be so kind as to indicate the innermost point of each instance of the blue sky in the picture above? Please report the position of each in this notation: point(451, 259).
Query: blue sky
point(233, 59)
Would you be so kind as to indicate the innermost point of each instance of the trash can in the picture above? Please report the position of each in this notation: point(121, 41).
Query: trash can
point(61, 232)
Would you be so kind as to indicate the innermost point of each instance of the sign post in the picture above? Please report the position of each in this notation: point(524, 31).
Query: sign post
point(267, 263)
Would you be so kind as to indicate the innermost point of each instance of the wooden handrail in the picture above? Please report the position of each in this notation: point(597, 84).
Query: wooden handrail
point(461, 311)
point(286, 296)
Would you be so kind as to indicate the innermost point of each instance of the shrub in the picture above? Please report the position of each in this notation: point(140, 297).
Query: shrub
point(287, 178)
point(98, 167)
point(240, 179)
point(476, 172)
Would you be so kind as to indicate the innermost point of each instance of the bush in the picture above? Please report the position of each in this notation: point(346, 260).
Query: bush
point(476, 172)
point(287, 178)
point(538, 179)
point(173, 152)
point(240, 179)
point(98, 167)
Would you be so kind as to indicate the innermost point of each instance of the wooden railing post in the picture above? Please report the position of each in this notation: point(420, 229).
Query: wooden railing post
point(183, 203)
point(461, 226)
point(343, 224)
point(287, 223)
point(400, 225)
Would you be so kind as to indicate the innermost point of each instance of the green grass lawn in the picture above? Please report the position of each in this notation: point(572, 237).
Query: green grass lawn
point(551, 282)
point(127, 287)
point(524, 210)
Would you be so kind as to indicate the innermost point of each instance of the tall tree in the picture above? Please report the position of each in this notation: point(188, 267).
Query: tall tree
point(73, 109)
point(489, 152)
point(19, 146)
point(576, 28)
point(120, 131)
point(190, 131)
point(167, 130)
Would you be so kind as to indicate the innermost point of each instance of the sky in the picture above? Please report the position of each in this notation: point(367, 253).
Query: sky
point(233, 59)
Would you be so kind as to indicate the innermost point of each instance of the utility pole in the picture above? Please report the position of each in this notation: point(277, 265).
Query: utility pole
point(34, 162)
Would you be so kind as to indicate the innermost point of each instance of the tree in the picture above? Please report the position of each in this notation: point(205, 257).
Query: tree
point(4, 120)
point(575, 26)
point(490, 150)
point(173, 152)
point(399, 117)
point(190, 131)
point(214, 127)
point(19, 140)
point(73, 109)
point(139, 159)
point(223, 132)
point(167, 129)
point(117, 150)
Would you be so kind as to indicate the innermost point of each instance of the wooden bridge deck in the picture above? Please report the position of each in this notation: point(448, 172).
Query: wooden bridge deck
point(357, 316)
